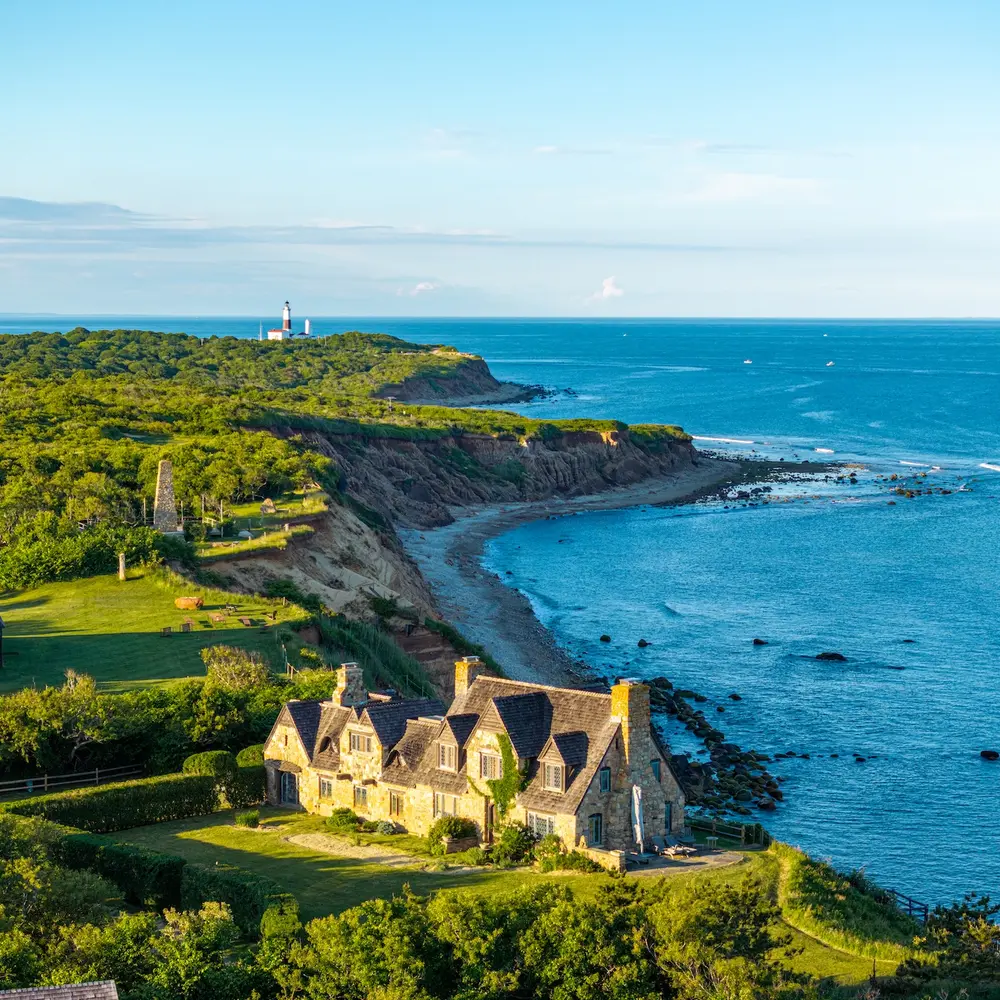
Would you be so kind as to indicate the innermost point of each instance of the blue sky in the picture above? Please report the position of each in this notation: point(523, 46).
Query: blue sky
point(674, 159)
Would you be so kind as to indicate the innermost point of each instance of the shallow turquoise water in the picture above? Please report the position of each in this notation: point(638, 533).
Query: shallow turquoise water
point(837, 568)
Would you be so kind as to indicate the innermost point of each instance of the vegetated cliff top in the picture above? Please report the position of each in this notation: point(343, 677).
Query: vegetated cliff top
point(349, 363)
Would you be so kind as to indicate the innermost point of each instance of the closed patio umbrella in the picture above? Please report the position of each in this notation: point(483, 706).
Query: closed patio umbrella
point(638, 827)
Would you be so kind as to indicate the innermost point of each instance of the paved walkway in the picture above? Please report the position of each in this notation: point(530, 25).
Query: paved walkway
point(685, 866)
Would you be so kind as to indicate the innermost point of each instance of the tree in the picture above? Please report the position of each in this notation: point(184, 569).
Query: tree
point(234, 669)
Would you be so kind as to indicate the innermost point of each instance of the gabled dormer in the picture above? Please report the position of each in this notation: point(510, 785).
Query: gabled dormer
point(560, 759)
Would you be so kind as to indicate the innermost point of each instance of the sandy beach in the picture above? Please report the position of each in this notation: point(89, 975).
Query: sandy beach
point(497, 616)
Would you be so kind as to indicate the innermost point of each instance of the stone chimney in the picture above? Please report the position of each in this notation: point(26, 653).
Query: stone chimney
point(630, 704)
point(350, 689)
point(467, 670)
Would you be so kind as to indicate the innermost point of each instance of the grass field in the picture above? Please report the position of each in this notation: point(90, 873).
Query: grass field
point(325, 884)
point(110, 629)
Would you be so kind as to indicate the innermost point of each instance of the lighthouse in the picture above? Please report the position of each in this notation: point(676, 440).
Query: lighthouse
point(285, 331)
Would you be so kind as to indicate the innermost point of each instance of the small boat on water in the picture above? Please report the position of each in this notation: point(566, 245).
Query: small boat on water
point(829, 364)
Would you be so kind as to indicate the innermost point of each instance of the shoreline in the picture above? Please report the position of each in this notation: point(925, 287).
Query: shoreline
point(500, 618)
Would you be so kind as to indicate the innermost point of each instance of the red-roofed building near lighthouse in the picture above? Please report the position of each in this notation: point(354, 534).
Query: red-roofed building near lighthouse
point(285, 333)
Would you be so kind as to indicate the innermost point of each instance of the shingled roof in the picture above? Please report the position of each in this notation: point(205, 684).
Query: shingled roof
point(389, 718)
point(105, 990)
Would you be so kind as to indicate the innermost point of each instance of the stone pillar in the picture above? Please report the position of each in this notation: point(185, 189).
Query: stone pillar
point(121, 565)
point(350, 688)
point(164, 506)
point(466, 671)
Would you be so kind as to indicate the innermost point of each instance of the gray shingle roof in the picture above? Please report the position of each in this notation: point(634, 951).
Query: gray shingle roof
point(105, 990)
point(305, 716)
point(389, 718)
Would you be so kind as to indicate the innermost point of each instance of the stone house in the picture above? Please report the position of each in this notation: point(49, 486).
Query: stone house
point(580, 755)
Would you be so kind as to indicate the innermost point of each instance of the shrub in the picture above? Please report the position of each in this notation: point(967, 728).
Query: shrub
point(343, 820)
point(454, 827)
point(514, 845)
point(477, 856)
point(385, 826)
point(250, 818)
point(234, 669)
point(250, 756)
point(220, 763)
point(570, 861)
point(248, 894)
point(550, 846)
point(127, 804)
point(247, 787)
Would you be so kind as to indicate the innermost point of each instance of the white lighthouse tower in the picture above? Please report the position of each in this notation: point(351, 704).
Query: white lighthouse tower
point(285, 333)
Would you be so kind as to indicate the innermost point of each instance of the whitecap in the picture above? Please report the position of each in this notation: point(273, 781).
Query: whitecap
point(722, 440)
point(822, 415)
point(919, 465)
point(824, 451)
point(987, 465)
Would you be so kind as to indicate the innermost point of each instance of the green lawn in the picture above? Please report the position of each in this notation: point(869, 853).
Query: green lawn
point(324, 884)
point(110, 629)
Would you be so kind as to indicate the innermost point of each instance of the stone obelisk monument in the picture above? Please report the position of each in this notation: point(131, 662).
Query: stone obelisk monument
point(165, 507)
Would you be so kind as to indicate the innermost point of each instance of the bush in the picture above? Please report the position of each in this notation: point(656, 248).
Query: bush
point(385, 826)
point(454, 827)
point(477, 856)
point(343, 820)
point(247, 787)
point(248, 894)
point(572, 861)
point(250, 756)
point(250, 818)
point(220, 763)
point(127, 804)
point(550, 846)
point(235, 669)
point(514, 845)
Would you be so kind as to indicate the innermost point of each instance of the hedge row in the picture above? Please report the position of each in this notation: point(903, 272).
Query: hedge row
point(248, 894)
point(127, 804)
point(247, 787)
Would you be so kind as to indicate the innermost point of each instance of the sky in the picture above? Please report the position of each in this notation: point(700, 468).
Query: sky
point(720, 158)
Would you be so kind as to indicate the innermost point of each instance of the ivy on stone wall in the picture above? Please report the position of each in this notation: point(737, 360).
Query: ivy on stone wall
point(506, 788)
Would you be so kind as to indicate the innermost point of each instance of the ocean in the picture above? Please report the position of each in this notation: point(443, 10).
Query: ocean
point(908, 591)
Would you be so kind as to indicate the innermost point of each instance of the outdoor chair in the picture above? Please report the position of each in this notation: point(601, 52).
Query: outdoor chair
point(246, 622)
point(165, 632)
point(186, 627)
point(218, 619)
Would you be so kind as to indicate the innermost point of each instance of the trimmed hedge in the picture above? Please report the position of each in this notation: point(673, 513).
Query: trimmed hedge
point(220, 763)
point(248, 894)
point(127, 804)
point(247, 787)
point(145, 877)
point(251, 756)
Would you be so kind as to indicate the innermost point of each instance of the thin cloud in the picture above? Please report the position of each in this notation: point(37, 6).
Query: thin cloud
point(734, 186)
point(609, 290)
point(420, 288)
point(569, 151)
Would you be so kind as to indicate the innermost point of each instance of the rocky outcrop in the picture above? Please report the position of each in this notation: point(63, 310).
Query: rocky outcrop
point(414, 482)
point(468, 383)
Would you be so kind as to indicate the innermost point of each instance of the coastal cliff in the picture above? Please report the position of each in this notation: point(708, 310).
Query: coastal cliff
point(468, 382)
point(413, 483)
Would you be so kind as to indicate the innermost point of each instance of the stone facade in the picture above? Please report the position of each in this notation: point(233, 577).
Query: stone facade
point(582, 753)
point(165, 506)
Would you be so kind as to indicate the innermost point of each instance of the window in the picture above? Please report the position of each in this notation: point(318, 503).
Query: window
point(655, 765)
point(554, 777)
point(605, 775)
point(446, 756)
point(326, 788)
point(445, 805)
point(324, 744)
point(360, 797)
point(361, 743)
point(540, 824)
point(395, 803)
point(595, 830)
point(490, 766)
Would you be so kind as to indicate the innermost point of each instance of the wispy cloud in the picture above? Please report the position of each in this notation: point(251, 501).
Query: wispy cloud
point(736, 186)
point(420, 288)
point(609, 290)
point(569, 151)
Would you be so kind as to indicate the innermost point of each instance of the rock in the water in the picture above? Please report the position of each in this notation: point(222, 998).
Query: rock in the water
point(642, 643)
point(838, 657)
point(744, 795)
point(735, 697)
point(989, 754)
point(605, 638)
point(760, 642)
point(768, 804)
point(720, 708)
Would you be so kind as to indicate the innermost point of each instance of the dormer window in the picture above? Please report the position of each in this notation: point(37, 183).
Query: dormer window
point(553, 779)
point(447, 755)
point(324, 744)
point(361, 743)
point(490, 766)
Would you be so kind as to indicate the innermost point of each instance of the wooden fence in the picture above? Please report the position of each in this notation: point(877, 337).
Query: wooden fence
point(746, 833)
point(911, 907)
point(57, 782)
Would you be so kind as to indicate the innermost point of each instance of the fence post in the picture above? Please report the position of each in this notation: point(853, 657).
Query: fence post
point(45, 782)
point(96, 776)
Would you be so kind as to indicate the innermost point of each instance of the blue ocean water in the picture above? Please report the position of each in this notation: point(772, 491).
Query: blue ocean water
point(835, 567)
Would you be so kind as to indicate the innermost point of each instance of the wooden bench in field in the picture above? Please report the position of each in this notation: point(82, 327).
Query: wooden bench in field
point(217, 618)
point(246, 622)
